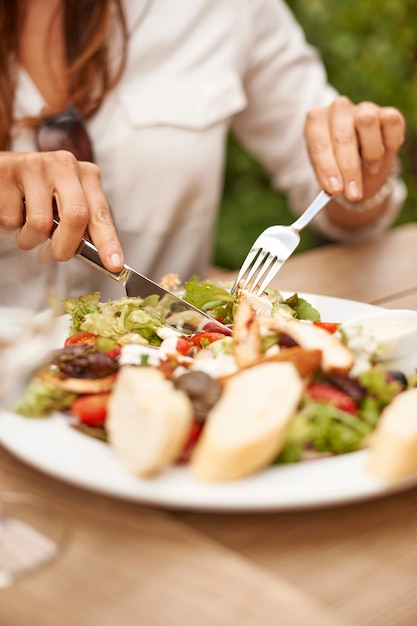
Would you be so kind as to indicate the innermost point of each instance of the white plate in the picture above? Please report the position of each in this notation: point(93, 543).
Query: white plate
point(52, 446)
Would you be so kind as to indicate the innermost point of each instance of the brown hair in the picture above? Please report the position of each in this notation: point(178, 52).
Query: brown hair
point(92, 71)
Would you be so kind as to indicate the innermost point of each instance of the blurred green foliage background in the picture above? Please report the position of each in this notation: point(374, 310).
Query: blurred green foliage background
point(370, 51)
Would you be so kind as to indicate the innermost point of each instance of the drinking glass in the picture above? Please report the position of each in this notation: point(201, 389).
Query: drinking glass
point(32, 531)
point(32, 535)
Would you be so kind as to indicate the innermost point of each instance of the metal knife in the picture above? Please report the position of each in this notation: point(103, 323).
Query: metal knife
point(137, 285)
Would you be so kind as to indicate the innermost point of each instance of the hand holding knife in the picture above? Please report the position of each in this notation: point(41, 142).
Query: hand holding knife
point(137, 285)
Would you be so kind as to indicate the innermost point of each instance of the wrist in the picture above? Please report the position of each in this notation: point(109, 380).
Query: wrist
point(362, 206)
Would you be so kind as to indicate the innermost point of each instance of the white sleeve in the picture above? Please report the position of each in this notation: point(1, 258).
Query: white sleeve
point(284, 78)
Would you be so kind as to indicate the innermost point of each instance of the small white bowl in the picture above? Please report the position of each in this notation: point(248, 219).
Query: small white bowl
point(393, 333)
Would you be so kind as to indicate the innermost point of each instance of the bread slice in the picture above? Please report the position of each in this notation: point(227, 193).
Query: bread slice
point(393, 446)
point(148, 420)
point(246, 429)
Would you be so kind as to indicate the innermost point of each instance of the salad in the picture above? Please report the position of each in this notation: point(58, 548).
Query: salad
point(278, 386)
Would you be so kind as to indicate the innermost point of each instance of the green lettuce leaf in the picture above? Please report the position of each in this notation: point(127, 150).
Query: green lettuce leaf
point(118, 318)
point(208, 297)
point(40, 399)
point(303, 310)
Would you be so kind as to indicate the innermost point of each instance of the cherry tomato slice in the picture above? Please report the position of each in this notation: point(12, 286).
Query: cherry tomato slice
point(330, 395)
point(91, 409)
point(114, 353)
point(206, 337)
point(331, 327)
point(192, 439)
point(82, 338)
point(213, 327)
point(183, 345)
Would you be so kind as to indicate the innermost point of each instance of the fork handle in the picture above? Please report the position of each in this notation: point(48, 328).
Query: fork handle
point(312, 210)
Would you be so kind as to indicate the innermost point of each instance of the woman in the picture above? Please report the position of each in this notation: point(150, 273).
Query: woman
point(159, 85)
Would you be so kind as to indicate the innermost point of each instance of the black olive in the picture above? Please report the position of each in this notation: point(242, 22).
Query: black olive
point(398, 376)
point(202, 390)
point(350, 386)
point(287, 341)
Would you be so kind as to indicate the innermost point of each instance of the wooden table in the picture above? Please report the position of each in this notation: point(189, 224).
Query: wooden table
point(131, 565)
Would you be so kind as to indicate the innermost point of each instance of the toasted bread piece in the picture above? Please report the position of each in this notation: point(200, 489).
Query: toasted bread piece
point(306, 362)
point(148, 420)
point(336, 357)
point(246, 429)
point(77, 385)
point(393, 445)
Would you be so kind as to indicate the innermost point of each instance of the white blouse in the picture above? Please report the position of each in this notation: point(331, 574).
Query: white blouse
point(196, 69)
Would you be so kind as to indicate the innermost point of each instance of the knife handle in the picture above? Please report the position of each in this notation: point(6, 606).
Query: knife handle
point(89, 253)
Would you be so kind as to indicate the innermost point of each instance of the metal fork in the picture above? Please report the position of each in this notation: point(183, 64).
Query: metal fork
point(272, 248)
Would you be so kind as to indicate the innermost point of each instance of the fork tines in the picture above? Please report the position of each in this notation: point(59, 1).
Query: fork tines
point(253, 270)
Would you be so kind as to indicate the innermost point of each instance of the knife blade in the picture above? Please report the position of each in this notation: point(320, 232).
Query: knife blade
point(137, 285)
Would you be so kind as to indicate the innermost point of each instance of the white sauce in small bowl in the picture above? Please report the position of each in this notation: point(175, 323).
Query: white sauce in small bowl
point(389, 337)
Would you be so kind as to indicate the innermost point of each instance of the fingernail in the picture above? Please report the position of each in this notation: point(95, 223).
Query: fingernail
point(116, 260)
point(334, 184)
point(353, 191)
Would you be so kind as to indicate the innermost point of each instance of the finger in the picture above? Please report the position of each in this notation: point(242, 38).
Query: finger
point(61, 178)
point(72, 210)
point(319, 145)
point(38, 211)
point(11, 210)
point(100, 224)
point(369, 133)
point(11, 197)
point(345, 146)
point(393, 128)
point(38, 223)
